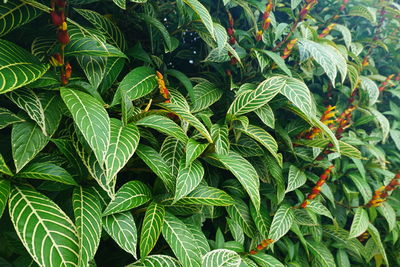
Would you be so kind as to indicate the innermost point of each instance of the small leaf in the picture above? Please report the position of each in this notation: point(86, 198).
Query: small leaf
point(189, 177)
point(193, 150)
point(220, 136)
point(3, 167)
point(266, 115)
point(266, 260)
point(164, 125)
point(360, 223)
point(206, 195)
point(131, 195)
point(281, 222)
point(203, 13)
point(221, 258)
point(278, 61)
point(318, 208)
point(151, 229)
point(321, 253)
point(7, 118)
point(296, 178)
point(160, 27)
point(205, 94)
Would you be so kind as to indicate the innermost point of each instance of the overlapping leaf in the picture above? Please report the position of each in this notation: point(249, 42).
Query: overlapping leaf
point(151, 229)
point(205, 94)
point(164, 125)
point(189, 177)
point(281, 222)
point(5, 188)
point(46, 171)
point(360, 223)
point(221, 258)
point(206, 195)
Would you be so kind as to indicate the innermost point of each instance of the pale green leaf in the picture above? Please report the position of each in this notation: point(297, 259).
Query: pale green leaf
point(281, 222)
point(193, 150)
point(296, 178)
point(203, 13)
point(266, 115)
point(221, 258)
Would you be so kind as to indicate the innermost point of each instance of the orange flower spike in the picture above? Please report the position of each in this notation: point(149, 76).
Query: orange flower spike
point(304, 204)
point(365, 62)
point(68, 70)
point(260, 247)
point(266, 24)
point(56, 60)
point(259, 35)
point(253, 252)
point(230, 19)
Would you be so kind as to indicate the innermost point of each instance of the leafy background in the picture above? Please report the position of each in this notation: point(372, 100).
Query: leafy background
point(104, 171)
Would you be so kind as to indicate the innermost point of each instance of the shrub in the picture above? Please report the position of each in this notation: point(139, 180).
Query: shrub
point(199, 133)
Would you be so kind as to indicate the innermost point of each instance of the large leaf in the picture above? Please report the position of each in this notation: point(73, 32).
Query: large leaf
point(321, 253)
point(151, 229)
point(106, 27)
point(203, 13)
point(193, 150)
point(386, 210)
point(206, 195)
point(123, 143)
point(46, 171)
point(181, 241)
point(221, 258)
point(360, 223)
point(375, 235)
point(90, 46)
point(14, 14)
point(244, 172)
point(383, 123)
point(189, 177)
point(50, 241)
point(251, 100)
point(137, 83)
point(160, 27)
point(239, 212)
point(266, 115)
point(281, 222)
point(18, 67)
point(157, 164)
point(5, 188)
point(364, 12)
point(129, 196)
point(92, 120)
point(265, 260)
point(156, 260)
point(94, 68)
point(164, 125)
point(87, 212)
point(205, 94)
point(122, 228)
point(296, 178)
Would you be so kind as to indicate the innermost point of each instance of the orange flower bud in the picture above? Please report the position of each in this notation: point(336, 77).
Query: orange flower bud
point(57, 19)
point(56, 60)
point(68, 71)
point(259, 35)
point(266, 24)
point(253, 252)
point(63, 37)
point(259, 247)
point(304, 204)
point(64, 80)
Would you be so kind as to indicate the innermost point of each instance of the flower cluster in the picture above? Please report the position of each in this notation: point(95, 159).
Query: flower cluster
point(161, 85)
point(343, 121)
point(231, 30)
point(383, 85)
point(266, 20)
point(327, 30)
point(343, 6)
point(58, 19)
point(365, 62)
point(317, 188)
point(364, 236)
point(326, 119)
point(289, 48)
point(304, 11)
point(261, 246)
point(382, 193)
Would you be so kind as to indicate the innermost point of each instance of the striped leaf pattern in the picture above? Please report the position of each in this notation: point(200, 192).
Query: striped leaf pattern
point(122, 229)
point(5, 188)
point(172, 152)
point(371, 88)
point(194, 225)
point(320, 209)
point(160, 27)
point(157, 164)
point(376, 237)
point(221, 258)
point(266, 260)
point(50, 242)
point(46, 171)
point(322, 254)
point(261, 219)
point(205, 94)
point(203, 13)
point(193, 150)
point(156, 261)
point(18, 67)
point(137, 83)
point(244, 172)
point(14, 14)
point(220, 136)
point(28, 101)
point(189, 177)
point(131, 195)
point(151, 229)
point(296, 178)
point(91, 119)
point(248, 101)
point(181, 241)
point(206, 195)
point(239, 212)
point(87, 211)
point(8, 118)
point(89, 46)
point(123, 143)
point(189, 118)
point(94, 68)
point(266, 115)
point(281, 222)
point(164, 125)
point(3, 167)
point(360, 223)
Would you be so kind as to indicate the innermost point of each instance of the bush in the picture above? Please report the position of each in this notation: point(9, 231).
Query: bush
point(199, 133)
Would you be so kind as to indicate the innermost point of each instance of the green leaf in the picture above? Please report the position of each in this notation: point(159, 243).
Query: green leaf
point(3, 167)
point(265, 260)
point(46, 171)
point(375, 235)
point(346, 34)
point(8, 118)
point(94, 68)
point(250, 100)
point(189, 177)
point(5, 188)
point(28, 101)
point(156, 260)
point(318, 208)
point(184, 80)
point(137, 83)
point(278, 61)
point(244, 172)
point(14, 14)
point(362, 11)
point(266, 115)
point(89, 46)
point(92, 120)
point(123, 143)
point(50, 242)
point(362, 186)
point(206, 195)
point(321, 253)
point(261, 219)
point(220, 136)
point(205, 94)
point(203, 13)
point(122, 228)
point(160, 27)
point(194, 225)
point(188, 117)
point(109, 29)
point(390, 215)
point(18, 67)
point(157, 164)
point(345, 149)
point(193, 150)
point(239, 212)
point(164, 125)
point(371, 88)
point(151, 229)
point(113, 68)
point(296, 178)
point(172, 151)
point(221, 258)
point(281, 222)
point(360, 223)
point(131, 195)
point(263, 137)
point(87, 211)
point(383, 123)
point(354, 76)
point(181, 241)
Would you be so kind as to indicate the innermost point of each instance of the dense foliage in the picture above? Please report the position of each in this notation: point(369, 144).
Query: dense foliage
point(199, 133)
